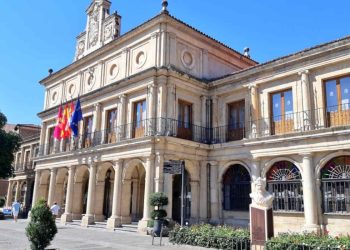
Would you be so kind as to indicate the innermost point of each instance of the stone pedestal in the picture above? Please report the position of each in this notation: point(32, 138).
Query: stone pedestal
point(87, 220)
point(142, 226)
point(113, 223)
point(66, 218)
point(261, 226)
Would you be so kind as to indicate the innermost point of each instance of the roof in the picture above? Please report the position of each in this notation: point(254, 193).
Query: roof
point(9, 127)
point(240, 55)
point(284, 57)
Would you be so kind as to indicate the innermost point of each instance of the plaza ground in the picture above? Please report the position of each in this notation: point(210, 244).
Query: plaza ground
point(13, 237)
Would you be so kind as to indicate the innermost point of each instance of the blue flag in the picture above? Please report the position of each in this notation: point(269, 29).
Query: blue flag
point(77, 116)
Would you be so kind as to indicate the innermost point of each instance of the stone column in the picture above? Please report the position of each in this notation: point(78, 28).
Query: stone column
point(214, 194)
point(159, 177)
point(142, 227)
point(310, 194)
point(203, 201)
point(171, 101)
point(125, 206)
point(88, 218)
point(52, 187)
point(305, 116)
point(195, 199)
point(68, 216)
point(121, 117)
point(204, 111)
point(8, 196)
point(151, 109)
point(168, 190)
point(17, 190)
point(36, 186)
point(96, 125)
point(134, 202)
point(255, 170)
point(115, 219)
point(254, 112)
point(162, 104)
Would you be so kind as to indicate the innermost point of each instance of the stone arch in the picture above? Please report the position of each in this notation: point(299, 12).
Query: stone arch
point(13, 191)
point(102, 170)
point(129, 167)
point(192, 170)
point(227, 165)
point(271, 162)
point(61, 187)
point(81, 184)
point(321, 163)
point(44, 184)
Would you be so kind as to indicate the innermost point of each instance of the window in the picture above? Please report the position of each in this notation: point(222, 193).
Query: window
point(284, 182)
point(236, 118)
point(185, 120)
point(111, 126)
point(87, 135)
point(51, 140)
point(335, 177)
point(282, 112)
point(337, 93)
point(236, 188)
point(139, 118)
point(27, 160)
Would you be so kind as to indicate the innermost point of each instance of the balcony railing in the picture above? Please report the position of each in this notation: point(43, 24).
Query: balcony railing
point(279, 125)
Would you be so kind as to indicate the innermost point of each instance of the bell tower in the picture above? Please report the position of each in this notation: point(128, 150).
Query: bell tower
point(101, 28)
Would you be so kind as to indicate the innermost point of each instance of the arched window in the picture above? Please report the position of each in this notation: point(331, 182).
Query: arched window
point(236, 188)
point(284, 182)
point(335, 177)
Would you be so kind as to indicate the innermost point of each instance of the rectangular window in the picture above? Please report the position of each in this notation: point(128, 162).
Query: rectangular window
point(337, 93)
point(140, 110)
point(111, 126)
point(87, 135)
point(51, 140)
point(282, 112)
point(236, 121)
point(185, 120)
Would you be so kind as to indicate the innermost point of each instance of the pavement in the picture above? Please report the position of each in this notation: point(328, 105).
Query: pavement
point(12, 237)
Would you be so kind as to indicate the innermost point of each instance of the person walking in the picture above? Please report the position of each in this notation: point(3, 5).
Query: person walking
point(15, 210)
point(55, 209)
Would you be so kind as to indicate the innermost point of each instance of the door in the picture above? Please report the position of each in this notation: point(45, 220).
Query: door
point(111, 126)
point(139, 119)
point(282, 112)
point(236, 118)
point(185, 120)
point(87, 136)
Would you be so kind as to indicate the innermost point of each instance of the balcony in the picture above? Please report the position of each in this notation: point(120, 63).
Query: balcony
point(291, 123)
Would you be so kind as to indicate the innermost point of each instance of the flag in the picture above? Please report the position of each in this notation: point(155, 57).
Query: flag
point(58, 128)
point(77, 116)
point(67, 113)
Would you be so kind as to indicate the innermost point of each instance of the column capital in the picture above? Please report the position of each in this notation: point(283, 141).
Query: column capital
point(152, 86)
point(97, 105)
point(252, 86)
point(307, 155)
point(150, 158)
point(118, 164)
point(126, 50)
point(303, 72)
point(122, 98)
point(213, 163)
point(204, 97)
point(53, 170)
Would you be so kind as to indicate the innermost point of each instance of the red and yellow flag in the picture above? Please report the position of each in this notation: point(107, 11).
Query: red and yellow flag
point(66, 131)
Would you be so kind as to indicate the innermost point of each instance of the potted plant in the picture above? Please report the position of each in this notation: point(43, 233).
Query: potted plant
point(158, 200)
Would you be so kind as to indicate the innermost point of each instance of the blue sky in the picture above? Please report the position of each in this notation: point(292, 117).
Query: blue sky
point(40, 34)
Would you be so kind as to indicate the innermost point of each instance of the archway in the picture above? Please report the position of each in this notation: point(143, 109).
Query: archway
point(284, 182)
point(61, 188)
point(44, 185)
point(236, 188)
point(177, 185)
point(335, 188)
point(81, 185)
point(133, 192)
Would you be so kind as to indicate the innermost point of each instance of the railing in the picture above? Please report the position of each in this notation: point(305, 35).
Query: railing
point(279, 125)
point(336, 196)
point(287, 246)
point(22, 167)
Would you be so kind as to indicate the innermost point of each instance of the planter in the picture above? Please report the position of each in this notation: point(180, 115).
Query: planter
point(157, 227)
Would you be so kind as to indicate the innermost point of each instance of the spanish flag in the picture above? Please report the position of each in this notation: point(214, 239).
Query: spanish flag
point(67, 113)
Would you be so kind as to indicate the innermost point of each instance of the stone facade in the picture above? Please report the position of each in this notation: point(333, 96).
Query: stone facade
point(164, 91)
point(20, 187)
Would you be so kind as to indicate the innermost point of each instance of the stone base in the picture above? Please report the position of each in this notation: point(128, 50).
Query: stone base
point(113, 223)
point(257, 247)
point(87, 220)
point(312, 229)
point(142, 226)
point(66, 218)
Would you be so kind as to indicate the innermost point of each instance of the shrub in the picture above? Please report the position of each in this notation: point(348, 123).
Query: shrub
point(42, 227)
point(307, 241)
point(221, 237)
point(158, 200)
point(2, 201)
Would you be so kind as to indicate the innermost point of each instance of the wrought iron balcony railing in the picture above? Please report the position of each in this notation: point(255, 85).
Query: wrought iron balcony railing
point(278, 125)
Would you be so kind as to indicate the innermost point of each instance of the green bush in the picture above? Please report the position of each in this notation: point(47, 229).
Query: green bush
point(2, 201)
point(221, 237)
point(158, 200)
point(42, 227)
point(307, 241)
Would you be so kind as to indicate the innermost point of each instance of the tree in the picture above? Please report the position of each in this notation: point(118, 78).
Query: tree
point(42, 227)
point(9, 144)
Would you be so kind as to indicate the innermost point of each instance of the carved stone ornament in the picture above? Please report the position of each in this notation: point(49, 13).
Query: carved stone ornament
point(81, 48)
point(108, 34)
point(94, 26)
point(260, 197)
point(91, 79)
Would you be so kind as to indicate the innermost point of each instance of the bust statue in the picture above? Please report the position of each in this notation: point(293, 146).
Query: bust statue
point(260, 197)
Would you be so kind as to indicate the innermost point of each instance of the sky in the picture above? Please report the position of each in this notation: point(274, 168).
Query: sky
point(36, 35)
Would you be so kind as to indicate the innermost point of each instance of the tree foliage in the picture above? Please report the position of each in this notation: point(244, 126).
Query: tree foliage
point(42, 227)
point(9, 144)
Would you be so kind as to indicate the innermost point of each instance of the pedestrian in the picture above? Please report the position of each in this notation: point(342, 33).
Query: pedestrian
point(15, 210)
point(55, 210)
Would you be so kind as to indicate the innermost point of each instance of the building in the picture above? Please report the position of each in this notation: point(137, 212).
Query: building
point(165, 91)
point(20, 187)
